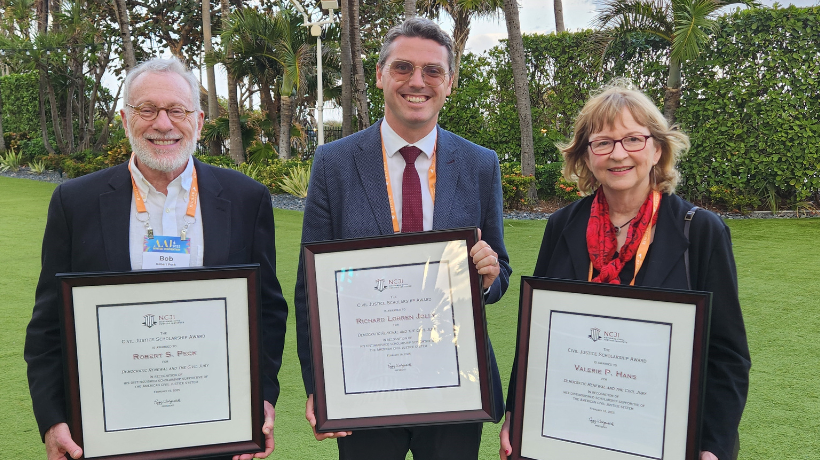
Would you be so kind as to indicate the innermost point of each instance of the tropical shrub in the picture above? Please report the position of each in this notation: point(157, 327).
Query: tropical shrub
point(296, 181)
point(566, 191)
point(11, 161)
point(514, 188)
point(76, 166)
point(546, 175)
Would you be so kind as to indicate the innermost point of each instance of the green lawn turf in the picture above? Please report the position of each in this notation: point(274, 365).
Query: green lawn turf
point(777, 262)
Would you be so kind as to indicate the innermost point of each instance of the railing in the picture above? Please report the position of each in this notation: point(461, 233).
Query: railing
point(331, 134)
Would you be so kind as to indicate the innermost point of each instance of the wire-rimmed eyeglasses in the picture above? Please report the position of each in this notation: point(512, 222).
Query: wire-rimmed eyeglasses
point(149, 112)
point(631, 143)
point(432, 75)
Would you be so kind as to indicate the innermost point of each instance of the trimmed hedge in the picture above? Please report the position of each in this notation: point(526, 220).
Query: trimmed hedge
point(21, 103)
point(751, 104)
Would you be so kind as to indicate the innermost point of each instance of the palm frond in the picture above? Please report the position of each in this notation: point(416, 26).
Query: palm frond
point(620, 17)
point(693, 23)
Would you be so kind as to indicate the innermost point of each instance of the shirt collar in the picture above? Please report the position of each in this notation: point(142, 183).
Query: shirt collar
point(393, 142)
point(184, 180)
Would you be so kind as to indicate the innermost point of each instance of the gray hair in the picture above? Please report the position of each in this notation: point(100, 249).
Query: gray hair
point(421, 28)
point(164, 65)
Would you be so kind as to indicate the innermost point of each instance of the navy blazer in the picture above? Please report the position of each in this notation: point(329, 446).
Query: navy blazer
point(347, 198)
point(564, 255)
point(87, 231)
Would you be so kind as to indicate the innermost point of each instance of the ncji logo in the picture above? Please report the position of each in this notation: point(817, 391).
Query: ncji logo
point(596, 334)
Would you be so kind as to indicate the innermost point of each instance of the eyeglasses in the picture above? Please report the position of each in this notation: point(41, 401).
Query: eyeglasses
point(432, 75)
point(149, 112)
point(631, 143)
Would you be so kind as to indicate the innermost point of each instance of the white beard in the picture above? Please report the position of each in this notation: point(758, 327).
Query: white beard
point(166, 162)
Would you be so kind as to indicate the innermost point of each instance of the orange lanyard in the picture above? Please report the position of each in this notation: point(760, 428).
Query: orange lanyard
point(640, 256)
point(431, 182)
point(193, 195)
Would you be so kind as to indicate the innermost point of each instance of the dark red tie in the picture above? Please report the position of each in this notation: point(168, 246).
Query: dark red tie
point(411, 213)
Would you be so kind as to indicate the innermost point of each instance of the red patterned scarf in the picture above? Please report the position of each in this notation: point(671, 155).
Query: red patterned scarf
point(602, 243)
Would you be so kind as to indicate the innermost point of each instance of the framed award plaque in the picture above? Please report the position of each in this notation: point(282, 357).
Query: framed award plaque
point(608, 372)
point(163, 364)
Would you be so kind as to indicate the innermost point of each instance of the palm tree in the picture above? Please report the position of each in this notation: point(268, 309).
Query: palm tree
point(295, 54)
point(409, 9)
point(515, 46)
point(274, 50)
point(207, 45)
point(359, 83)
point(124, 23)
point(684, 24)
point(237, 150)
point(347, 72)
point(558, 8)
point(462, 12)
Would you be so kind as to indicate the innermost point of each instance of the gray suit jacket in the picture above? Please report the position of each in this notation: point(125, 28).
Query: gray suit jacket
point(347, 198)
point(87, 231)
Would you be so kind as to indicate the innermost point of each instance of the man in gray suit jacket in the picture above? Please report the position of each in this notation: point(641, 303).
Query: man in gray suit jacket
point(99, 222)
point(359, 188)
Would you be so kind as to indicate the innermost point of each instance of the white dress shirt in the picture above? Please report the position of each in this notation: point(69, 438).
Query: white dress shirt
point(166, 214)
point(395, 165)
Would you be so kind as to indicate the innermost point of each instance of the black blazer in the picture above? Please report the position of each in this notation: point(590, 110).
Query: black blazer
point(563, 254)
point(87, 231)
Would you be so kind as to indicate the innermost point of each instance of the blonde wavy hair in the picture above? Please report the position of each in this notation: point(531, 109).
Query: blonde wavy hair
point(601, 112)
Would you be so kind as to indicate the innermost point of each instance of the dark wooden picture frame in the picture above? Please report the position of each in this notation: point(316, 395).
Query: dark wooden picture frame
point(248, 273)
point(700, 303)
point(479, 324)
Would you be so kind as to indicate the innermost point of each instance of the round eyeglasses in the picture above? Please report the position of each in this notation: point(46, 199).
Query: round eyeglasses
point(631, 143)
point(432, 75)
point(149, 112)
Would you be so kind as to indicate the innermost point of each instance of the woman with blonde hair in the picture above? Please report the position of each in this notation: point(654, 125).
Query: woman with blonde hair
point(632, 229)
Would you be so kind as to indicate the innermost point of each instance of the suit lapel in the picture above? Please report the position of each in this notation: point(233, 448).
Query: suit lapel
point(370, 166)
point(115, 217)
point(448, 171)
point(216, 213)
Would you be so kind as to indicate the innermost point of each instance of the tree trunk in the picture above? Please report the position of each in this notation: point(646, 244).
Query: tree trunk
point(558, 7)
point(461, 32)
point(70, 91)
point(515, 47)
point(125, 33)
point(55, 116)
point(360, 86)
point(671, 99)
point(2, 140)
point(267, 103)
point(43, 119)
point(112, 110)
point(42, 16)
point(347, 72)
point(286, 115)
point(214, 147)
point(237, 150)
point(102, 64)
point(42, 27)
point(409, 9)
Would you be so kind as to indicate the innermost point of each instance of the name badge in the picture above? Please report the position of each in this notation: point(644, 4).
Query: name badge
point(165, 252)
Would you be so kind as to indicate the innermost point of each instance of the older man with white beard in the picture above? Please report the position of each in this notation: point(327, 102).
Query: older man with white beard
point(100, 222)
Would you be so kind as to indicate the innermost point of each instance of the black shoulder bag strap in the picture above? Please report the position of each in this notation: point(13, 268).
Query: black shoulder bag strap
point(687, 222)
